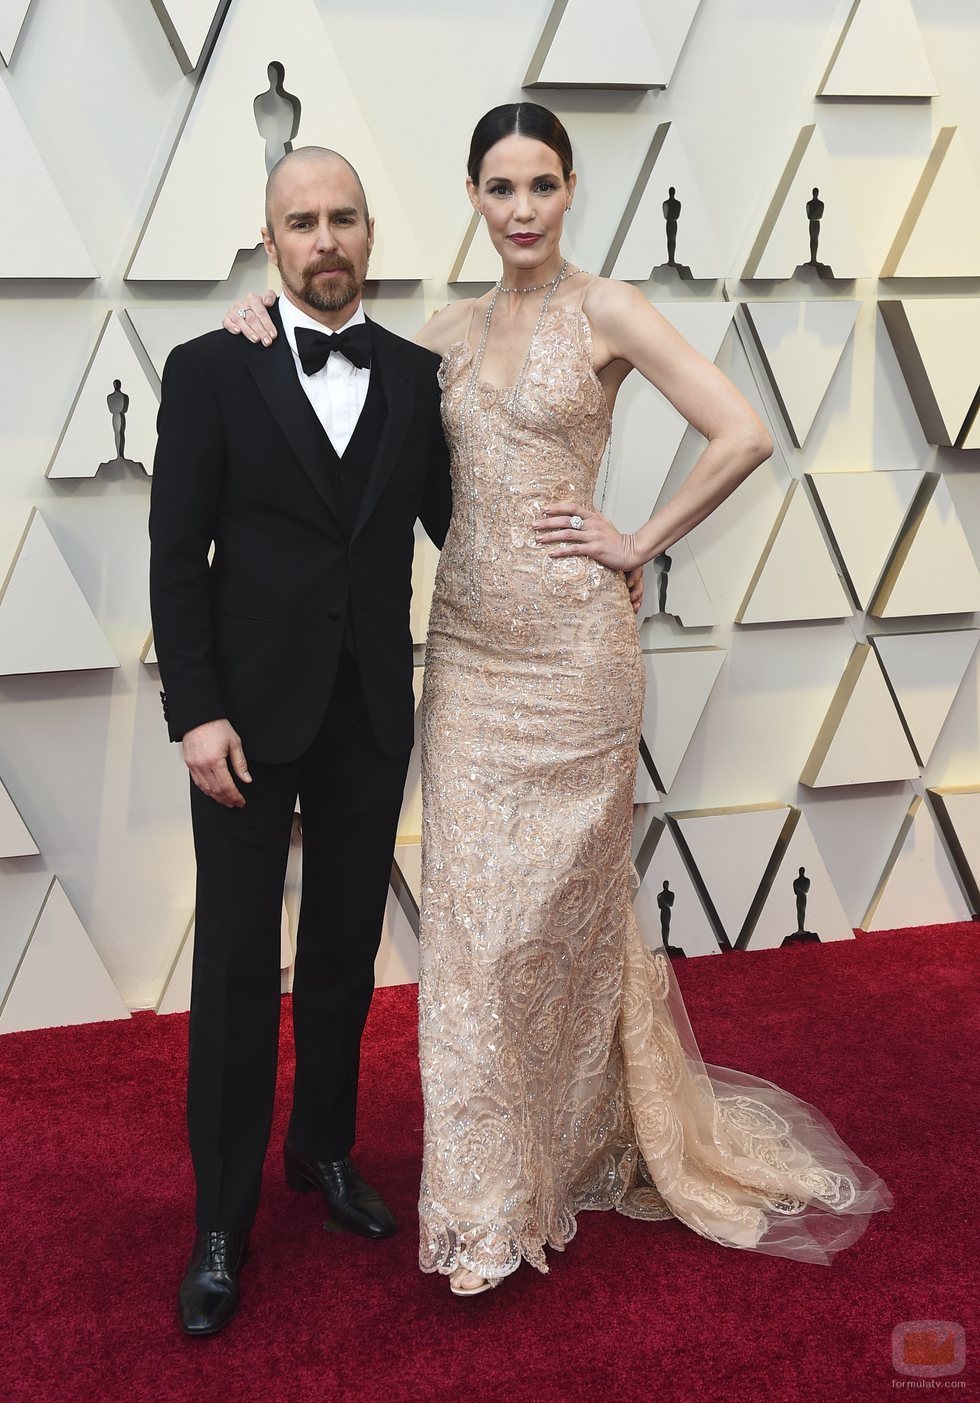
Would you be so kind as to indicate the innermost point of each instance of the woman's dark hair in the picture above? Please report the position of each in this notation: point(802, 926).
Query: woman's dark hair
point(522, 119)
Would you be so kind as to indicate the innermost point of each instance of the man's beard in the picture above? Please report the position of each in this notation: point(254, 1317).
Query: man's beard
point(333, 294)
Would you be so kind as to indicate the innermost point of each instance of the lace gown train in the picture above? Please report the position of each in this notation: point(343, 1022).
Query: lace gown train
point(559, 1068)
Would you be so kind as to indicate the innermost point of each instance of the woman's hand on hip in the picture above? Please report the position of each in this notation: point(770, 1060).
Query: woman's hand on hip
point(250, 318)
point(573, 529)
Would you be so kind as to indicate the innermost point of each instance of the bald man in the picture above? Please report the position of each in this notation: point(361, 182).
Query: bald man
point(287, 671)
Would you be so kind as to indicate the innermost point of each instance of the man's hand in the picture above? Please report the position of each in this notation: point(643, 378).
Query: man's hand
point(211, 752)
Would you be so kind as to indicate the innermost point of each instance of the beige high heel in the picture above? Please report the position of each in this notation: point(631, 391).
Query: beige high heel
point(483, 1283)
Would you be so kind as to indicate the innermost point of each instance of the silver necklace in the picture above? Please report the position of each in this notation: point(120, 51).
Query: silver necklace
point(539, 286)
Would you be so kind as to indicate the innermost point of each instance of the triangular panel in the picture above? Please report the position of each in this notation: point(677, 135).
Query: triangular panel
point(937, 343)
point(801, 345)
point(679, 682)
point(918, 886)
point(60, 979)
point(957, 810)
point(732, 850)
point(925, 671)
point(938, 235)
point(12, 16)
point(783, 245)
point(880, 54)
point(576, 52)
point(148, 653)
point(793, 895)
point(226, 194)
point(15, 836)
point(865, 513)
point(679, 906)
point(649, 429)
point(795, 578)
point(187, 24)
point(43, 241)
point(115, 408)
point(46, 624)
point(666, 204)
point(862, 740)
point(933, 570)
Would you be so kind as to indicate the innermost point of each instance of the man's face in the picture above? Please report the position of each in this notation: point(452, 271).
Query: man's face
point(319, 238)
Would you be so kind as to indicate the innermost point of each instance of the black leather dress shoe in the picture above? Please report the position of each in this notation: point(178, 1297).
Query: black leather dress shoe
point(208, 1296)
point(352, 1204)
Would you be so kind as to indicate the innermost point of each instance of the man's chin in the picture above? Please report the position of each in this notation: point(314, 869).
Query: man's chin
point(330, 298)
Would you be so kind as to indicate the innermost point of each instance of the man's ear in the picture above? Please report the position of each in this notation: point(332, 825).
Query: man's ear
point(370, 235)
point(270, 245)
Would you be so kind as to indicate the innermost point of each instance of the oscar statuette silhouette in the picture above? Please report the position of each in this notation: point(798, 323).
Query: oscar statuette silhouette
point(801, 886)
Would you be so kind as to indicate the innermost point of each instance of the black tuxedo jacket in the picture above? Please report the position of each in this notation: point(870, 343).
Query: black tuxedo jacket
point(256, 636)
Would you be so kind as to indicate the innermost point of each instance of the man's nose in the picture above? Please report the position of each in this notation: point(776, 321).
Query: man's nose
point(325, 240)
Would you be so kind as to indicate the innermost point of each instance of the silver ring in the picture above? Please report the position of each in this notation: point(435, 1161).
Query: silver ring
point(243, 312)
point(576, 523)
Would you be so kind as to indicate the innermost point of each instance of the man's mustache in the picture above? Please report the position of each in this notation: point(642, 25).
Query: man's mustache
point(330, 265)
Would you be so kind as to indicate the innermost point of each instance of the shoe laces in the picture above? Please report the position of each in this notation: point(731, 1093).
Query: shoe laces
point(215, 1251)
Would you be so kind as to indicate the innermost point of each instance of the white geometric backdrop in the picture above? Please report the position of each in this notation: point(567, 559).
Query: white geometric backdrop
point(812, 661)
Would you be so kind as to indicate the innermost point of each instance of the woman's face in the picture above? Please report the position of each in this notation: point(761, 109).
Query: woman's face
point(523, 195)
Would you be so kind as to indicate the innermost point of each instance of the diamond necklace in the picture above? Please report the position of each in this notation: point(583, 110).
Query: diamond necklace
point(539, 286)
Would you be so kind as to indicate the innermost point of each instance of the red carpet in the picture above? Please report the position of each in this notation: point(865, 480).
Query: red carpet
point(879, 1033)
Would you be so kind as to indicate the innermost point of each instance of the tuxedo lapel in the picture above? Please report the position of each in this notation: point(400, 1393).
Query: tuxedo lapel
point(399, 394)
point(274, 371)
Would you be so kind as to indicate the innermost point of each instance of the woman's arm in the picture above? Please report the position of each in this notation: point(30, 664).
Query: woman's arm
point(438, 333)
point(627, 329)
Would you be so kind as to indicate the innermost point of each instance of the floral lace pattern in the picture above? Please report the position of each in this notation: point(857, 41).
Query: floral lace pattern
point(559, 1069)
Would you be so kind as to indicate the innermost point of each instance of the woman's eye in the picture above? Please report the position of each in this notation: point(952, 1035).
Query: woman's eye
point(547, 185)
point(499, 190)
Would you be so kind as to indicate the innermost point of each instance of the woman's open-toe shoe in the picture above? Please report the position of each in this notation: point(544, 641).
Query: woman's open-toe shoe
point(459, 1278)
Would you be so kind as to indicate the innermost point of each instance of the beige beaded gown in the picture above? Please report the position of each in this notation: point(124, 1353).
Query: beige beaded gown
point(559, 1069)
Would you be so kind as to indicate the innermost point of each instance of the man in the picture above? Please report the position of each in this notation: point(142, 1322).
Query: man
point(287, 668)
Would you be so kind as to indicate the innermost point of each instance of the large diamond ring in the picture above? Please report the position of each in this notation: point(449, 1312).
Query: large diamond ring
point(243, 312)
point(576, 523)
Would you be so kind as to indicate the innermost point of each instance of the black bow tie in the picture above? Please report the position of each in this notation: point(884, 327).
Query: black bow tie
point(314, 347)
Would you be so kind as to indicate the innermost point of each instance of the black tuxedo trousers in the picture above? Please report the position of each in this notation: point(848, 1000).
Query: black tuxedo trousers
point(350, 794)
point(298, 633)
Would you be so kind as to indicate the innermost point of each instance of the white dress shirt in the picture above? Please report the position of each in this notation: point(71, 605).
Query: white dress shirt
point(338, 391)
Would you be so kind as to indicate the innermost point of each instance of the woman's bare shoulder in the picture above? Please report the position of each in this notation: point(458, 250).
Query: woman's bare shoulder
point(446, 327)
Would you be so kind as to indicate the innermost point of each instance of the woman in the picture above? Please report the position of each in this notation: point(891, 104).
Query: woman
point(558, 1065)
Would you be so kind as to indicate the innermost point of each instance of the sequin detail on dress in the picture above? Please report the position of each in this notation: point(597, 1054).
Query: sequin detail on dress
point(559, 1069)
